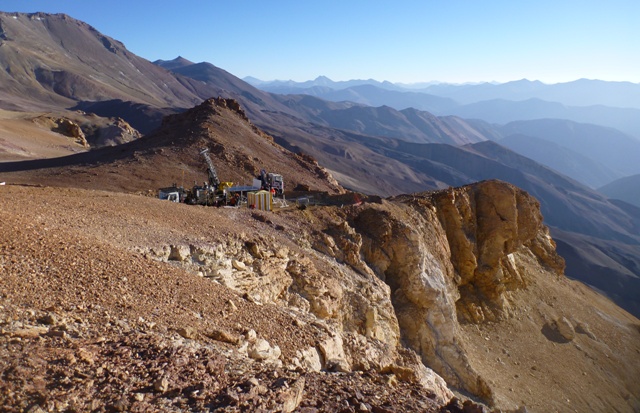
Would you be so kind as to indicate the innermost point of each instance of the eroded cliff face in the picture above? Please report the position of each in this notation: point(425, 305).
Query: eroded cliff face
point(489, 227)
point(450, 257)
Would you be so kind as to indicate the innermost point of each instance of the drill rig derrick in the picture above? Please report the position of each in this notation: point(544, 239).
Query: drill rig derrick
point(214, 181)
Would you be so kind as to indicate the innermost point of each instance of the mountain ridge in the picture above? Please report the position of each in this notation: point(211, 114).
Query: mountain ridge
point(615, 150)
point(573, 164)
point(626, 189)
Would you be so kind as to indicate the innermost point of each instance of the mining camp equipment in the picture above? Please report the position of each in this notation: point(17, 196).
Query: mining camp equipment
point(272, 181)
point(217, 193)
point(173, 193)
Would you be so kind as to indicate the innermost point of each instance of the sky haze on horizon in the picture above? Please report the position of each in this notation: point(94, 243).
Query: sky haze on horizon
point(405, 42)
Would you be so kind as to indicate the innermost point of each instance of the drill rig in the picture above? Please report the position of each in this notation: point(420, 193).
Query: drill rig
point(212, 192)
point(214, 181)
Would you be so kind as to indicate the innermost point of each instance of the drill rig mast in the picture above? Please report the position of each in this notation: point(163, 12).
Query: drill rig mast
point(214, 181)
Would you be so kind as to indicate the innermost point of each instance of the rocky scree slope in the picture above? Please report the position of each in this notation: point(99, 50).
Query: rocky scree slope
point(292, 308)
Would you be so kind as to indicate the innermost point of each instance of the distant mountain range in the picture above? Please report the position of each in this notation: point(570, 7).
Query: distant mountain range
point(54, 62)
point(582, 92)
point(612, 104)
point(504, 111)
point(320, 82)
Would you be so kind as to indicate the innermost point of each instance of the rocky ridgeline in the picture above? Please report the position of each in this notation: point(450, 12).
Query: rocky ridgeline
point(207, 125)
point(201, 114)
point(407, 270)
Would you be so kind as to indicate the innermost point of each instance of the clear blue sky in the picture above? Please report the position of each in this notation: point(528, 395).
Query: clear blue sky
point(400, 41)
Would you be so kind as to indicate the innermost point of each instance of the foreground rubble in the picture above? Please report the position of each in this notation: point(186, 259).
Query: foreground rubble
point(123, 366)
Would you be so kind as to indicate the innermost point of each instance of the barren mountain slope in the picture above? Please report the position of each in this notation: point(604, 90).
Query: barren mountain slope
point(358, 161)
point(29, 135)
point(522, 323)
point(53, 60)
point(351, 286)
point(171, 155)
point(116, 292)
point(608, 266)
point(557, 350)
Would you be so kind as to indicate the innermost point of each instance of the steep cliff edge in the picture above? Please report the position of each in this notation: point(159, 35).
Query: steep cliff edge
point(449, 256)
point(479, 293)
point(490, 226)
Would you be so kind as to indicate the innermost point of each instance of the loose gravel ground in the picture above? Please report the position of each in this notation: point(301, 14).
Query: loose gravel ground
point(87, 323)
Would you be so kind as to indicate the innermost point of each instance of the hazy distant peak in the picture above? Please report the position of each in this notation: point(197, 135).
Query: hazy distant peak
point(182, 60)
point(323, 81)
point(525, 82)
point(253, 80)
